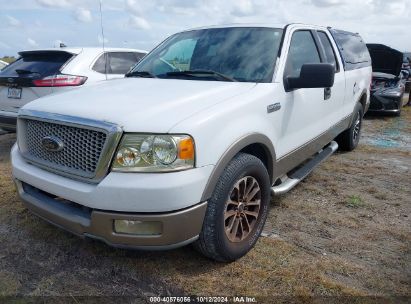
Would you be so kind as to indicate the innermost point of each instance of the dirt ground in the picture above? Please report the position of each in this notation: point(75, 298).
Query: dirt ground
point(345, 231)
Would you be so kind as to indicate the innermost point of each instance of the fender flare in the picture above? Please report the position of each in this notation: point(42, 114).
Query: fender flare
point(364, 93)
point(364, 105)
point(237, 146)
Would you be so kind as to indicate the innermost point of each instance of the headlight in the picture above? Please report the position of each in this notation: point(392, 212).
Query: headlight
point(396, 92)
point(154, 153)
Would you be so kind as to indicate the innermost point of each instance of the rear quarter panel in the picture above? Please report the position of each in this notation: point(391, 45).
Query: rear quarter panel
point(358, 83)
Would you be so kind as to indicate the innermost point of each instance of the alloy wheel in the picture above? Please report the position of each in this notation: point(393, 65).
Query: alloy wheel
point(242, 209)
point(357, 128)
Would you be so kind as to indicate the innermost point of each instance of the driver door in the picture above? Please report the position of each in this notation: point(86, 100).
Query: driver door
point(304, 110)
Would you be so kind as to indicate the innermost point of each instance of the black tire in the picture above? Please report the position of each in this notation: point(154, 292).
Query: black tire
point(213, 241)
point(348, 140)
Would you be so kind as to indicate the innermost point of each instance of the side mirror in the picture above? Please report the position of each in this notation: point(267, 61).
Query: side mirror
point(312, 75)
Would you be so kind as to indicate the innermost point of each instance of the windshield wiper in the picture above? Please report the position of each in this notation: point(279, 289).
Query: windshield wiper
point(201, 73)
point(144, 74)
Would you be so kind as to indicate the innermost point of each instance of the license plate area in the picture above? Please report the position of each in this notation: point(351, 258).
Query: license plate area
point(14, 93)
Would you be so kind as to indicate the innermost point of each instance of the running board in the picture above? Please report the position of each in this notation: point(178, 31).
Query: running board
point(297, 176)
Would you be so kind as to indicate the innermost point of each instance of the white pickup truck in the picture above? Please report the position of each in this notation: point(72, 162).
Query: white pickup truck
point(193, 143)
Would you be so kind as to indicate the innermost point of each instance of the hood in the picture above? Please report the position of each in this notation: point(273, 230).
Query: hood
point(141, 104)
point(385, 59)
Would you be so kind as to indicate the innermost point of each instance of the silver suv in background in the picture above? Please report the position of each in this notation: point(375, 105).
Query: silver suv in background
point(42, 72)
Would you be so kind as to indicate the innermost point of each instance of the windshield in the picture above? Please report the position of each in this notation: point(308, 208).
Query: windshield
point(225, 54)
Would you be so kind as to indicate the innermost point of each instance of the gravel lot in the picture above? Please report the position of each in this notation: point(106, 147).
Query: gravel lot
point(344, 231)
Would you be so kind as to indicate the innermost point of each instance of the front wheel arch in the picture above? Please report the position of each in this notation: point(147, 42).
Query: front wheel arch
point(255, 144)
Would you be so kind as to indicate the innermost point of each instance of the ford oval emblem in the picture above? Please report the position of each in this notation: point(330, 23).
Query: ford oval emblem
point(11, 80)
point(52, 143)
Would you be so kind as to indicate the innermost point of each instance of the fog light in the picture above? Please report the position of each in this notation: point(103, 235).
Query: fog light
point(138, 227)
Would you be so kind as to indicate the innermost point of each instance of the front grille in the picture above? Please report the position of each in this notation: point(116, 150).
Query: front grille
point(86, 151)
point(82, 147)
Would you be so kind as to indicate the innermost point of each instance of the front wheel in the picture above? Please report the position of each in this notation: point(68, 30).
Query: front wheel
point(237, 210)
point(349, 139)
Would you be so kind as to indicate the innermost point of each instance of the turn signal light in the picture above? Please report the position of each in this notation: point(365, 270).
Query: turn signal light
point(186, 148)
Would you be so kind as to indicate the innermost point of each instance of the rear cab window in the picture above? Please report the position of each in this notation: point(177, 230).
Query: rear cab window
point(352, 48)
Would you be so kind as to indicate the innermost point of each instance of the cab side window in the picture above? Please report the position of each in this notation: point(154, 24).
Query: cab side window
point(302, 50)
point(328, 49)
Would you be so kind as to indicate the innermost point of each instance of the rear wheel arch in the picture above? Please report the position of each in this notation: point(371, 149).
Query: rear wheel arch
point(346, 140)
point(255, 144)
point(363, 101)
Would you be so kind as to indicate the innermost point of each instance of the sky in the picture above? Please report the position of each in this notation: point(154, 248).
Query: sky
point(32, 24)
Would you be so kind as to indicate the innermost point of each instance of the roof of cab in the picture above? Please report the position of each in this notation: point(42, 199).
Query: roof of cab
point(266, 25)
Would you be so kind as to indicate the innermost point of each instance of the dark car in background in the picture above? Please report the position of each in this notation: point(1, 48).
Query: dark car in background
point(406, 62)
point(388, 83)
point(406, 66)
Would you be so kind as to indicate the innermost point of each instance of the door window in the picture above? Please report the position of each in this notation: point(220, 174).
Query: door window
point(328, 49)
point(302, 50)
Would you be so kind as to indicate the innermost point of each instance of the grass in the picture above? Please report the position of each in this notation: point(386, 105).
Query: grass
point(354, 201)
point(336, 234)
point(9, 284)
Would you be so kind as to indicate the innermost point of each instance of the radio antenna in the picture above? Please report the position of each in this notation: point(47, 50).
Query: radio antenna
point(102, 38)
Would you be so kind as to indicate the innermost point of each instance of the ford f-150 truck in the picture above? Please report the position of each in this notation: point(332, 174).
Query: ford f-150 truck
point(190, 146)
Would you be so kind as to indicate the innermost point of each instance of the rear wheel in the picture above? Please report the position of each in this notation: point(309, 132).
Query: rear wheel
point(237, 210)
point(348, 140)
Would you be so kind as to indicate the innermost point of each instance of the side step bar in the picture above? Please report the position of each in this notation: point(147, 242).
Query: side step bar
point(297, 176)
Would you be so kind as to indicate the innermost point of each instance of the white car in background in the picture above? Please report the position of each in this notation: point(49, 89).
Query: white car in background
point(42, 72)
point(3, 64)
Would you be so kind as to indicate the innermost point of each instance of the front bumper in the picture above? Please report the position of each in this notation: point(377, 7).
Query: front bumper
point(381, 103)
point(178, 228)
point(120, 191)
point(8, 120)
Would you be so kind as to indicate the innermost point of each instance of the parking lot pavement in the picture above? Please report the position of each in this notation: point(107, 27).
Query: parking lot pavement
point(344, 231)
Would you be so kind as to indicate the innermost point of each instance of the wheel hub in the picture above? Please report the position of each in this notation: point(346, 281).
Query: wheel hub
point(240, 208)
